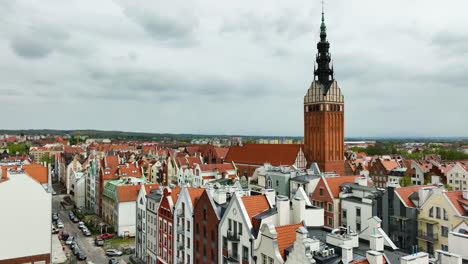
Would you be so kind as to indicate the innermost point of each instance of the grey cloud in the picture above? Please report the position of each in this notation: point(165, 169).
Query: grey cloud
point(38, 41)
point(453, 43)
point(167, 26)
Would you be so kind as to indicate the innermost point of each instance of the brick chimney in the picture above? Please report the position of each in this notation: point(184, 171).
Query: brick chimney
point(4, 173)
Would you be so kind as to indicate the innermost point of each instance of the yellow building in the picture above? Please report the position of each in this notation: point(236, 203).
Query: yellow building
point(441, 212)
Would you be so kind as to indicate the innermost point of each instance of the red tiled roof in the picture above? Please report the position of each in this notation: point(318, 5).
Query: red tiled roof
point(128, 193)
point(220, 167)
point(255, 204)
point(221, 152)
point(258, 154)
point(175, 194)
point(38, 172)
point(111, 161)
point(286, 236)
point(192, 149)
point(455, 197)
point(405, 192)
point(194, 193)
point(334, 183)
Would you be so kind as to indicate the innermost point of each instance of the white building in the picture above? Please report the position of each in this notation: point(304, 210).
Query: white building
point(458, 239)
point(74, 166)
point(78, 188)
point(26, 209)
point(183, 224)
point(457, 177)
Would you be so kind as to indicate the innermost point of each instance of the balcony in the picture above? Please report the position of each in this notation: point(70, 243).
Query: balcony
point(232, 236)
point(233, 258)
point(180, 230)
point(430, 237)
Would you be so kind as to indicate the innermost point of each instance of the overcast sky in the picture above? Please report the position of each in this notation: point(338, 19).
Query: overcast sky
point(232, 67)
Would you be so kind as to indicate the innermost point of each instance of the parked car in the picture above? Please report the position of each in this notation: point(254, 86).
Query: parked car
point(113, 252)
point(71, 214)
point(81, 255)
point(60, 224)
point(63, 235)
point(89, 262)
point(86, 232)
point(73, 245)
point(81, 225)
point(75, 219)
point(99, 242)
point(70, 240)
point(113, 261)
point(54, 230)
point(55, 217)
point(105, 236)
point(76, 250)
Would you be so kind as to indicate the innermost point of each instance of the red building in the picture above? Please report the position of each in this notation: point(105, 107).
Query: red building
point(249, 157)
point(327, 196)
point(166, 222)
point(324, 114)
point(206, 219)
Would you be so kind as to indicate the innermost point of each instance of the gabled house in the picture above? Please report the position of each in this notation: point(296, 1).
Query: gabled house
point(206, 173)
point(237, 228)
point(457, 177)
point(327, 196)
point(165, 233)
point(184, 225)
point(380, 169)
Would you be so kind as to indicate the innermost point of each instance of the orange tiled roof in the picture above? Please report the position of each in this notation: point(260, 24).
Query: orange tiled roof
point(194, 193)
point(255, 204)
point(175, 194)
point(128, 193)
point(334, 183)
point(390, 164)
point(405, 192)
point(258, 154)
point(455, 197)
point(286, 236)
point(220, 167)
point(111, 161)
point(38, 172)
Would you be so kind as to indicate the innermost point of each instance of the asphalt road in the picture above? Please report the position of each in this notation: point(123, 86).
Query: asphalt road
point(86, 244)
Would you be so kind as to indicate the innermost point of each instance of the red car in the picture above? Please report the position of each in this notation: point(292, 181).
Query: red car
point(105, 236)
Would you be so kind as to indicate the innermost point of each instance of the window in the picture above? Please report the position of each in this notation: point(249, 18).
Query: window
point(444, 247)
point(230, 224)
point(188, 242)
point(330, 207)
point(225, 242)
point(204, 214)
point(343, 213)
point(321, 191)
point(358, 227)
point(264, 259)
point(188, 225)
point(446, 215)
point(277, 183)
point(245, 253)
point(438, 212)
point(240, 229)
point(270, 260)
point(431, 212)
point(444, 231)
point(330, 221)
point(358, 212)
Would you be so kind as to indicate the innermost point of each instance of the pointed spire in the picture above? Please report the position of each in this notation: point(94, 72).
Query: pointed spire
point(323, 27)
point(324, 71)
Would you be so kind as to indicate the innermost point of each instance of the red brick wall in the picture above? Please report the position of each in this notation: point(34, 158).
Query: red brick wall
point(30, 259)
point(208, 225)
point(324, 140)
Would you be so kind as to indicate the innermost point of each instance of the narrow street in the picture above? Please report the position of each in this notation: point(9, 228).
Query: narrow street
point(86, 244)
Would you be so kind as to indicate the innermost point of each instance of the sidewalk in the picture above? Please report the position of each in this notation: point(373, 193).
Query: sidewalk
point(58, 255)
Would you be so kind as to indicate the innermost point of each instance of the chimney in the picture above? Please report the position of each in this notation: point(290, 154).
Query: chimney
point(346, 254)
point(361, 181)
point(447, 257)
point(374, 257)
point(4, 173)
point(282, 206)
point(417, 258)
point(376, 242)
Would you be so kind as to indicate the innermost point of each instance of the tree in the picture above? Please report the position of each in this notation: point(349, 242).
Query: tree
point(50, 159)
point(405, 181)
point(17, 148)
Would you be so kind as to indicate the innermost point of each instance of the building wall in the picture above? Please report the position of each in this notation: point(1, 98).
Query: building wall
point(324, 201)
point(152, 230)
point(205, 217)
point(355, 222)
point(141, 225)
point(266, 246)
point(457, 243)
point(126, 218)
point(165, 232)
point(436, 200)
point(457, 177)
point(378, 174)
point(324, 128)
point(26, 210)
point(183, 228)
point(235, 212)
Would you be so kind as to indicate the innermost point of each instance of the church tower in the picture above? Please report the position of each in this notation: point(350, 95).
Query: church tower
point(324, 113)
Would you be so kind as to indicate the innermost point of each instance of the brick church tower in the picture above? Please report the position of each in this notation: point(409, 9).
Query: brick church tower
point(324, 113)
